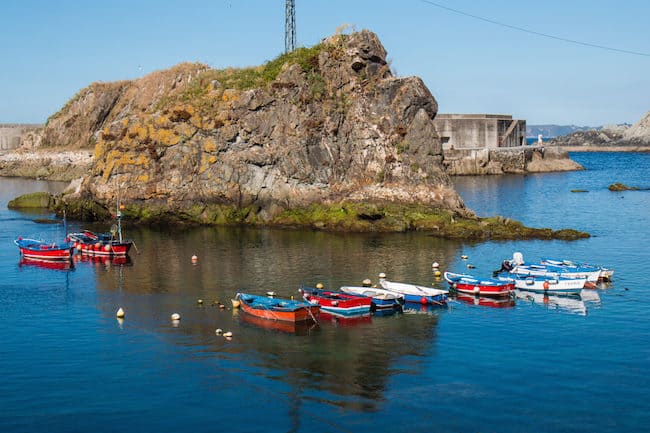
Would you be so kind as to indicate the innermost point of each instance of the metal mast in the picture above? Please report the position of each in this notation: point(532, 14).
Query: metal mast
point(290, 26)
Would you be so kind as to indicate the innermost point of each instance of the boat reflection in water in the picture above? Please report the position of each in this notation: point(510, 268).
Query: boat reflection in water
point(58, 265)
point(485, 301)
point(569, 304)
point(103, 260)
point(282, 326)
point(345, 320)
point(417, 307)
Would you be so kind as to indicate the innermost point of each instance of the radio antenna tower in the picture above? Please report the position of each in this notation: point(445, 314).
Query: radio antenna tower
point(290, 26)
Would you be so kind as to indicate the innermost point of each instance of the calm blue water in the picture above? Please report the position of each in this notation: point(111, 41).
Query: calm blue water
point(540, 365)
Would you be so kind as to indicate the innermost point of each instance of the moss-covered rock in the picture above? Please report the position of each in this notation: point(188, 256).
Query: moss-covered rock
point(621, 187)
point(32, 200)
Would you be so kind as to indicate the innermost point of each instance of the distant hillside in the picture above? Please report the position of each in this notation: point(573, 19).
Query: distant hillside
point(609, 135)
point(551, 131)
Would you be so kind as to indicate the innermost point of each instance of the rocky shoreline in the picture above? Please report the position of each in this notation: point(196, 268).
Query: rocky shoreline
point(56, 165)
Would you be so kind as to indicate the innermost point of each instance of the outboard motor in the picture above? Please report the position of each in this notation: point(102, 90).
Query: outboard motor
point(506, 266)
point(517, 258)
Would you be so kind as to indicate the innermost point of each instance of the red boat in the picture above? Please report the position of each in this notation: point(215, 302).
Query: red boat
point(485, 287)
point(99, 244)
point(339, 303)
point(39, 250)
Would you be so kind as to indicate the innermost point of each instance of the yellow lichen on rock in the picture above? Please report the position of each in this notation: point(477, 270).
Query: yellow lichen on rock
point(209, 145)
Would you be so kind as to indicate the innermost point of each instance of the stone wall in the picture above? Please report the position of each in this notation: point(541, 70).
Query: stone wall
point(11, 134)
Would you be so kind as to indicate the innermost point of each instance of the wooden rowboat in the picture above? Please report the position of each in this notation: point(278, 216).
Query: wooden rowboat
point(280, 309)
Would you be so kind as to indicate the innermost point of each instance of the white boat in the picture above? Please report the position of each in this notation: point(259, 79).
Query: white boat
point(605, 274)
point(382, 299)
point(414, 292)
point(547, 284)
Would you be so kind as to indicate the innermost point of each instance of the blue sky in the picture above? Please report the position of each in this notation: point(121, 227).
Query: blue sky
point(52, 49)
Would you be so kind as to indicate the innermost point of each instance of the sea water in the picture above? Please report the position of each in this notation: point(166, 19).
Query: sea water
point(535, 364)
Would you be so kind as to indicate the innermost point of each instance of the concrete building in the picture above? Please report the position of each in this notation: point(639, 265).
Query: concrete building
point(480, 131)
point(11, 134)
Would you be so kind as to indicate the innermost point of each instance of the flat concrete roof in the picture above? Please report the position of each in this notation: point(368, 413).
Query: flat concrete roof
point(473, 116)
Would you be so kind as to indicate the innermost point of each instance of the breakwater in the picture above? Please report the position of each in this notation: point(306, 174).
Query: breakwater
point(508, 160)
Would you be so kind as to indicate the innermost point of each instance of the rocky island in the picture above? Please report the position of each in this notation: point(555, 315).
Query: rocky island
point(323, 137)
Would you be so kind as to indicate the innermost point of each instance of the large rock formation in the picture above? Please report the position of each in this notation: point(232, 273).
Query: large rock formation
point(322, 125)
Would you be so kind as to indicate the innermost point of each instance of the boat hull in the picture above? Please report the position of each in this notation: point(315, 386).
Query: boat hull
point(566, 286)
point(474, 286)
point(338, 303)
point(38, 250)
point(275, 311)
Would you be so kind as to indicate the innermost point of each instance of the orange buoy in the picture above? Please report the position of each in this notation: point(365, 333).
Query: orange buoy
point(545, 285)
point(423, 300)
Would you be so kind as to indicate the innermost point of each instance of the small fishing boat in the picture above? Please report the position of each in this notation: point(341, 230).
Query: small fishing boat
point(100, 244)
point(605, 274)
point(547, 284)
point(287, 310)
point(414, 293)
point(40, 250)
point(340, 303)
point(485, 287)
point(519, 267)
point(382, 299)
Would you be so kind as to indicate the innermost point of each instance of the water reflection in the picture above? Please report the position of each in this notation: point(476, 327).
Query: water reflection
point(485, 301)
point(59, 265)
point(568, 304)
point(345, 361)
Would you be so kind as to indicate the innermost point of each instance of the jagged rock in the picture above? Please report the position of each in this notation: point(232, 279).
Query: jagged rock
point(325, 124)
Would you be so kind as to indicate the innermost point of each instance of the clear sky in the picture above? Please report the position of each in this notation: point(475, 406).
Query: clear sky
point(52, 49)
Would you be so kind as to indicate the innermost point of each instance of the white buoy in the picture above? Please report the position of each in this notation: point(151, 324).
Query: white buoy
point(477, 290)
point(195, 258)
point(382, 275)
point(270, 294)
point(176, 316)
point(219, 331)
point(464, 257)
point(319, 286)
point(227, 334)
point(120, 313)
point(199, 301)
point(435, 265)
point(366, 282)
point(470, 266)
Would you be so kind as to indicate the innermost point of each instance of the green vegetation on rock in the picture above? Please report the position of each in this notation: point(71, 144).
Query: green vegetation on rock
point(32, 200)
